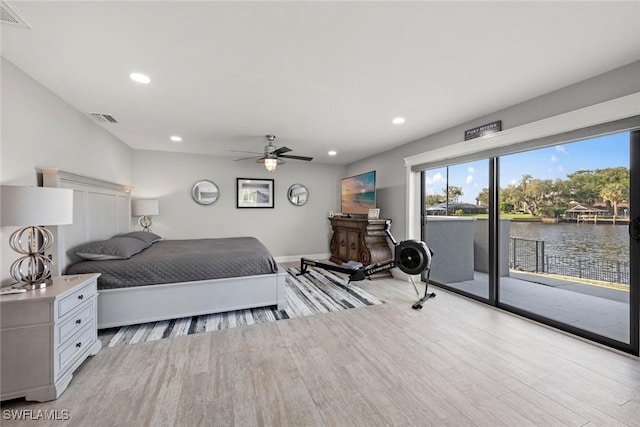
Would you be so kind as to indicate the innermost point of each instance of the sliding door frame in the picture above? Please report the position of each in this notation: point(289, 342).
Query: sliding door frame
point(633, 346)
point(494, 231)
point(634, 245)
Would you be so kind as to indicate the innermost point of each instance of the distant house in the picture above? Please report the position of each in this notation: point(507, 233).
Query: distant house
point(452, 208)
point(623, 207)
point(580, 209)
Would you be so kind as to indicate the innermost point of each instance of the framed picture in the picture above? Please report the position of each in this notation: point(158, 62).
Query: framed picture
point(374, 214)
point(254, 193)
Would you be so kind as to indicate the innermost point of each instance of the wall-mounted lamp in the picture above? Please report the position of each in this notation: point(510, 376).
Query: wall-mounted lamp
point(24, 207)
point(145, 209)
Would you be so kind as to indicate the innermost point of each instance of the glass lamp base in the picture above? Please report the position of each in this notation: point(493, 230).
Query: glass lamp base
point(145, 223)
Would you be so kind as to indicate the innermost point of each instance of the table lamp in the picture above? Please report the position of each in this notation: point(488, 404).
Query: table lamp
point(144, 208)
point(30, 208)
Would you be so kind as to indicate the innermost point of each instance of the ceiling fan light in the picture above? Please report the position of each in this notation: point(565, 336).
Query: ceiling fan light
point(271, 164)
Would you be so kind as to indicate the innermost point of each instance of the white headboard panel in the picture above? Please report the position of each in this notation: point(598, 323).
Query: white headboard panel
point(101, 210)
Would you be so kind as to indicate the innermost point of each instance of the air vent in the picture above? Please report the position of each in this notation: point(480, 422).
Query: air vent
point(103, 118)
point(8, 16)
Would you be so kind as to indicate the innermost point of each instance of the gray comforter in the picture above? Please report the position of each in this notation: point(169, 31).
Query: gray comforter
point(173, 261)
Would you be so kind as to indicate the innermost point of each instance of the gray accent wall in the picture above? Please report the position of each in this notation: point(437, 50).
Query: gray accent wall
point(391, 175)
point(287, 230)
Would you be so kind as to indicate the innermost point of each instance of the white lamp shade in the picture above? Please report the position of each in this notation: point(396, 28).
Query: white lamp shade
point(23, 206)
point(142, 207)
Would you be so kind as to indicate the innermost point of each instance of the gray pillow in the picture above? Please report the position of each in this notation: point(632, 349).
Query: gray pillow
point(114, 248)
point(145, 236)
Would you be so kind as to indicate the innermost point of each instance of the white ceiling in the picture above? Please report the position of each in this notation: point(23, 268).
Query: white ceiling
point(320, 75)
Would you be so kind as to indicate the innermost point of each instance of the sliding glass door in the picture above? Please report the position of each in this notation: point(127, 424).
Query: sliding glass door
point(568, 208)
point(456, 226)
point(557, 233)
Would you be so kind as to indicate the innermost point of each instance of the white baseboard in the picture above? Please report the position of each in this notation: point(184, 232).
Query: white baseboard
point(291, 258)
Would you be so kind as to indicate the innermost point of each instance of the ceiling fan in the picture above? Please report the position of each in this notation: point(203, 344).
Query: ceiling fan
point(272, 157)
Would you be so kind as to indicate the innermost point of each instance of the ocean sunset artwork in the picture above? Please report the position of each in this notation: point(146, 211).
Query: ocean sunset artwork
point(359, 193)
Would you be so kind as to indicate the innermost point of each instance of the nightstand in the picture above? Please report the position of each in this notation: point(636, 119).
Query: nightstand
point(45, 335)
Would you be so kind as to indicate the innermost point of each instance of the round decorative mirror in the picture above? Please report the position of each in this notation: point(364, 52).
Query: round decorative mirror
point(298, 194)
point(205, 192)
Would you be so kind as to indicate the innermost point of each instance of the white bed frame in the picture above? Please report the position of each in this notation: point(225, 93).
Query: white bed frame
point(103, 209)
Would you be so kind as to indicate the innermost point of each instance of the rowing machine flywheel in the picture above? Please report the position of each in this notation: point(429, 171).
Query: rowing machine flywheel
point(413, 257)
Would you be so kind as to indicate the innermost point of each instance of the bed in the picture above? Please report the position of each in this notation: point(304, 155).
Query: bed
point(159, 290)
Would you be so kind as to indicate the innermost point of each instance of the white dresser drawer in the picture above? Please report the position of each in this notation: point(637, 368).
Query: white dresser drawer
point(76, 321)
point(76, 346)
point(68, 303)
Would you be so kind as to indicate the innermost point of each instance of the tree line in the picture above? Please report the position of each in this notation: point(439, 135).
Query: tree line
point(551, 198)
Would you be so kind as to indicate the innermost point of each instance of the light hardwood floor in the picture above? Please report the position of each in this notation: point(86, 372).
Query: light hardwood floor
point(456, 362)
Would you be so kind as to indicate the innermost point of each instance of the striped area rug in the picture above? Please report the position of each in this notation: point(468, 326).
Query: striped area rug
point(319, 291)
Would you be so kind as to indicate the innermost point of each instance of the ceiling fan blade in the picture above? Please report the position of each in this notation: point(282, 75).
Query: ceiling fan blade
point(247, 158)
point(243, 151)
point(286, 156)
point(281, 150)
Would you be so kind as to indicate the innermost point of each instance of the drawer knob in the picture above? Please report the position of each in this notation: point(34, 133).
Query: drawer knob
point(78, 321)
point(79, 345)
point(80, 296)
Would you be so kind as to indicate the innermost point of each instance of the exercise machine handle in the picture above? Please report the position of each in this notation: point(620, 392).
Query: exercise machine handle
point(387, 230)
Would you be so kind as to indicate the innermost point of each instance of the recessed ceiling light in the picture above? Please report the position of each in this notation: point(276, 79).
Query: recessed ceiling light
point(176, 138)
point(332, 153)
point(140, 78)
point(398, 121)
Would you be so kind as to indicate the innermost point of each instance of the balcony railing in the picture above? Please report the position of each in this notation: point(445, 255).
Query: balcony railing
point(529, 255)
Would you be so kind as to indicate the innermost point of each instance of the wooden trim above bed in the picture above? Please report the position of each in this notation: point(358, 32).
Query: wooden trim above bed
point(52, 177)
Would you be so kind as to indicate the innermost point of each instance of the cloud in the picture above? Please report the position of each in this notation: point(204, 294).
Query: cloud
point(560, 168)
point(513, 182)
point(469, 179)
point(431, 182)
point(554, 159)
point(471, 170)
point(561, 149)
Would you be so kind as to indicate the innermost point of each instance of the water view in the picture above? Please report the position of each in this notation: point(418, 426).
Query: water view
point(606, 242)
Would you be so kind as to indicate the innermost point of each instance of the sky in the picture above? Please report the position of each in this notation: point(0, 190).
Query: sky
point(546, 163)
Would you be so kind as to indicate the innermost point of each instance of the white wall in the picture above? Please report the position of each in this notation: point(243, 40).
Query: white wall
point(391, 174)
point(287, 230)
point(41, 130)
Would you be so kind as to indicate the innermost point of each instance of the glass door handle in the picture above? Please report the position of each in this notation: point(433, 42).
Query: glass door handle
point(634, 229)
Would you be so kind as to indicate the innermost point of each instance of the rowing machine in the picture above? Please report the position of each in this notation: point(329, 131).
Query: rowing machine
point(410, 256)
